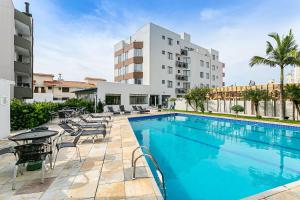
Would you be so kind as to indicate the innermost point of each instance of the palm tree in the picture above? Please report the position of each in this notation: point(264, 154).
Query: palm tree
point(292, 92)
point(284, 53)
point(255, 96)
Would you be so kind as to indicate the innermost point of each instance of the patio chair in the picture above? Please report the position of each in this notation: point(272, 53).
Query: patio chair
point(94, 132)
point(93, 121)
point(135, 109)
point(30, 153)
point(7, 150)
point(66, 144)
point(85, 125)
point(107, 117)
point(142, 109)
point(159, 108)
point(122, 109)
point(111, 110)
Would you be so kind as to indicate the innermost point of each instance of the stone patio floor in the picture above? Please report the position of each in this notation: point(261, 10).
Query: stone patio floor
point(104, 173)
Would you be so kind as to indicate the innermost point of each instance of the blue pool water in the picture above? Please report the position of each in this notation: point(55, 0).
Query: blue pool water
point(214, 158)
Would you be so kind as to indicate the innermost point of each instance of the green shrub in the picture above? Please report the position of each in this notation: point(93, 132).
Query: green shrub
point(100, 107)
point(237, 109)
point(29, 115)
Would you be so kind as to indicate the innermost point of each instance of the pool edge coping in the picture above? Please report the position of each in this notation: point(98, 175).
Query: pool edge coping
point(156, 188)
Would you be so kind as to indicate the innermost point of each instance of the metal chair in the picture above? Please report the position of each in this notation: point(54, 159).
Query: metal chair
point(72, 144)
point(30, 153)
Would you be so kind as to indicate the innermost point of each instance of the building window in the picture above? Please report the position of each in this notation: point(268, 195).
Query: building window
point(201, 63)
point(187, 73)
point(138, 67)
point(207, 85)
point(163, 82)
point(170, 70)
point(213, 77)
point(138, 81)
point(163, 67)
point(125, 69)
point(138, 52)
point(65, 98)
point(201, 75)
point(213, 86)
point(163, 52)
point(217, 77)
point(178, 71)
point(49, 88)
point(170, 84)
point(201, 85)
point(207, 75)
point(170, 56)
point(65, 89)
point(214, 57)
point(170, 41)
point(178, 83)
point(186, 85)
point(177, 42)
point(126, 55)
point(138, 99)
point(119, 59)
point(113, 99)
point(207, 64)
point(36, 90)
point(213, 67)
point(43, 90)
point(163, 37)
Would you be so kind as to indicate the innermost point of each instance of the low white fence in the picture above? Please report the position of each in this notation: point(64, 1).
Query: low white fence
point(269, 108)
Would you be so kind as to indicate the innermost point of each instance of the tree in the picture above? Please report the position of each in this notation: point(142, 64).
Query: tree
point(196, 97)
point(237, 109)
point(255, 96)
point(285, 52)
point(292, 92)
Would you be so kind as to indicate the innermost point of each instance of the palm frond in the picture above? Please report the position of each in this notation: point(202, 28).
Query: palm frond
point(269, 48)
point(276, 37)
point(256, 60)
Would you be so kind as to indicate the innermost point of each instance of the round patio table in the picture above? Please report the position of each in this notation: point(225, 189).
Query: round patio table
point(33, 135)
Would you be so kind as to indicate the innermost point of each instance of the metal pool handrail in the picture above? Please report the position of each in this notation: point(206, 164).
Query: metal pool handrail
point(158, 171)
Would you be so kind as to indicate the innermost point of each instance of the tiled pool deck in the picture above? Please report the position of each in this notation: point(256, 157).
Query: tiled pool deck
point(104, 173)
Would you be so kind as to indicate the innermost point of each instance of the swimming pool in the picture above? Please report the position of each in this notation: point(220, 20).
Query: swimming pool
point(215, 158)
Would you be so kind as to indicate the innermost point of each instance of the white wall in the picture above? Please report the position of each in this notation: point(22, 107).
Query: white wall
point(212, 105)
point(104, 88)
point(5, 107)
point(41, 97)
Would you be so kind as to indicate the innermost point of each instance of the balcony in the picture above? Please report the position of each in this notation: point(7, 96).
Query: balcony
point(181, 77)
point(23, 67)
point(21, 17)
point(180, 90)
point(23, 91)
point(183, 52)
point(181, 64)
point(23, 43)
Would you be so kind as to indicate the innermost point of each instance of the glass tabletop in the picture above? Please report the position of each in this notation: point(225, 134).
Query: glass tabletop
point(33, 135)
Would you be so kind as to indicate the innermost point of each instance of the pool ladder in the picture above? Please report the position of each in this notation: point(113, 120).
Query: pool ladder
point(150, 156)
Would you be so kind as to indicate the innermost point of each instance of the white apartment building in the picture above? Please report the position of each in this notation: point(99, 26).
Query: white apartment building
point(169, 63)
point(294, 75)
point(16, 48)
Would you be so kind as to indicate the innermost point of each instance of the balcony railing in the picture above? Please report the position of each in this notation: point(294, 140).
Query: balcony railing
point(23, 67)
point(25, 19)
point(23, 92)
point(181, 77)
point(183, 52)
point(22, 42)
point(180, 90)
point(181, 64)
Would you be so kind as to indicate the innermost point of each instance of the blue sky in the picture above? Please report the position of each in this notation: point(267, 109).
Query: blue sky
point(76, 37)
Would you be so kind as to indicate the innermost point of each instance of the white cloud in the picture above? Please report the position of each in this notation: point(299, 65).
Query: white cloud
point(210, 14)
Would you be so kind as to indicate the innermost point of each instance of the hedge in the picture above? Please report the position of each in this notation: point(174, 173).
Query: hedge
point(29, 115)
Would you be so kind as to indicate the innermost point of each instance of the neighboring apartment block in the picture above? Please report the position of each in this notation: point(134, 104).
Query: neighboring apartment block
point(166, 61)
point(16, 48)
point(46, 88)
